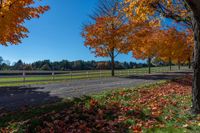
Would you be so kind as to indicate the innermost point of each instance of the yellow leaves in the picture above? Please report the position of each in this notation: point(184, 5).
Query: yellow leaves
point(142, 10)
point(139, 10)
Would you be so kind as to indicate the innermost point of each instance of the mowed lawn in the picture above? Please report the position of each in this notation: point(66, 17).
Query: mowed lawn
point(45, 79)
point(161, 107)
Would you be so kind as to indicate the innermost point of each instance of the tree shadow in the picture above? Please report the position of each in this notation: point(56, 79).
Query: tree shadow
point(185, 81)
point(19, 97)
point(161, 76)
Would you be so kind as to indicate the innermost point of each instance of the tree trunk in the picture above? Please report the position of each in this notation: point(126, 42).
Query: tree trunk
point(179, 65)
point(149, 65)
point(195, 6)
point(196, 66)
point(189, 63)
point(113, 64)
point(170, 63)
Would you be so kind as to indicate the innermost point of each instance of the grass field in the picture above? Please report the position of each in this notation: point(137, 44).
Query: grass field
point(159, 108)
point(43, 79)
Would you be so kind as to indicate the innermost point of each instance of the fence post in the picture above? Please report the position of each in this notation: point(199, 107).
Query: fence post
point(100, 74)
point(24, 76)
point(53, 75)
point(70, 75)
point(87, 75)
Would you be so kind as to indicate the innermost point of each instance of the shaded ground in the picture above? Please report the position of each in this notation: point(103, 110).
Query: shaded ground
point(12, 98)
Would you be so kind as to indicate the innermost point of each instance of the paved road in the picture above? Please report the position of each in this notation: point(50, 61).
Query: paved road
point(14, 98)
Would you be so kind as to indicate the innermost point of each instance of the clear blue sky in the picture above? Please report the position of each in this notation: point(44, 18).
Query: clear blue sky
point(56, 35)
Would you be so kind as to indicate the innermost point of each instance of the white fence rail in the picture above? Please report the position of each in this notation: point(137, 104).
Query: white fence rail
point(38, 76)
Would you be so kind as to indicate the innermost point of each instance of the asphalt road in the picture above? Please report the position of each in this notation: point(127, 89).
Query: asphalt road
point(14, 98)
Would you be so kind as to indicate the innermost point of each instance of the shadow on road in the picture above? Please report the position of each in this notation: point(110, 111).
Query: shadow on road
point(161, 76)
point(15, 98)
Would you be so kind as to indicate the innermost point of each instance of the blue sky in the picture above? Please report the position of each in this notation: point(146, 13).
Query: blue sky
point(56, 35)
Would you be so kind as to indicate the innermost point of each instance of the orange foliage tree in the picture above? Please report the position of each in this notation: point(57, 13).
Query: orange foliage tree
point(107, 36)
point(168, 45)
point(188, 51)
point(183, 49)
point(13, 14)
point(145, 44)
point(171, 45)
point(174, 47)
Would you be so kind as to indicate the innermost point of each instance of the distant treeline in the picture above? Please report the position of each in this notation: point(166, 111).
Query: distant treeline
point(65, 65)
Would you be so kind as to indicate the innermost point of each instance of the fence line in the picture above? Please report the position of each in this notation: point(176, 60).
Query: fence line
point(38, 76)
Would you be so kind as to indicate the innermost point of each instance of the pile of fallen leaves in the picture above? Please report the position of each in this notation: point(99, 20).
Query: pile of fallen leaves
point(145, 109)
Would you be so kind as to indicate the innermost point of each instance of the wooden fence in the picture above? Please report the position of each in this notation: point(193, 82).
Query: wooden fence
point(39, 76)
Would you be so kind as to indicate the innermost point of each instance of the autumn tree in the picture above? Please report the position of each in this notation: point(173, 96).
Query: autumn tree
point(153, 42)
point(189, 48)
point(171, 45)
point(106, 36)
point(13, 14)
point(174, 46)
point(184, 11)
point(183, 49)
point(144, 44)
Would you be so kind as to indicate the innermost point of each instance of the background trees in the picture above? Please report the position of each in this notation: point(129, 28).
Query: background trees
point(19, 65)
point(66, 65)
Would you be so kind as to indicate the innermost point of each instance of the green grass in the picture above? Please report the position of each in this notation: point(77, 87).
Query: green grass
point(81, 75)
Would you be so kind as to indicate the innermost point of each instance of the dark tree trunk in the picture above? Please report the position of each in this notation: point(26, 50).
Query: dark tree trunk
point(170, 64)
point(149, 65)
point(179, 65)
point(196, 66)
point(195, 6)
point(112, 64)
point(189, 63)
